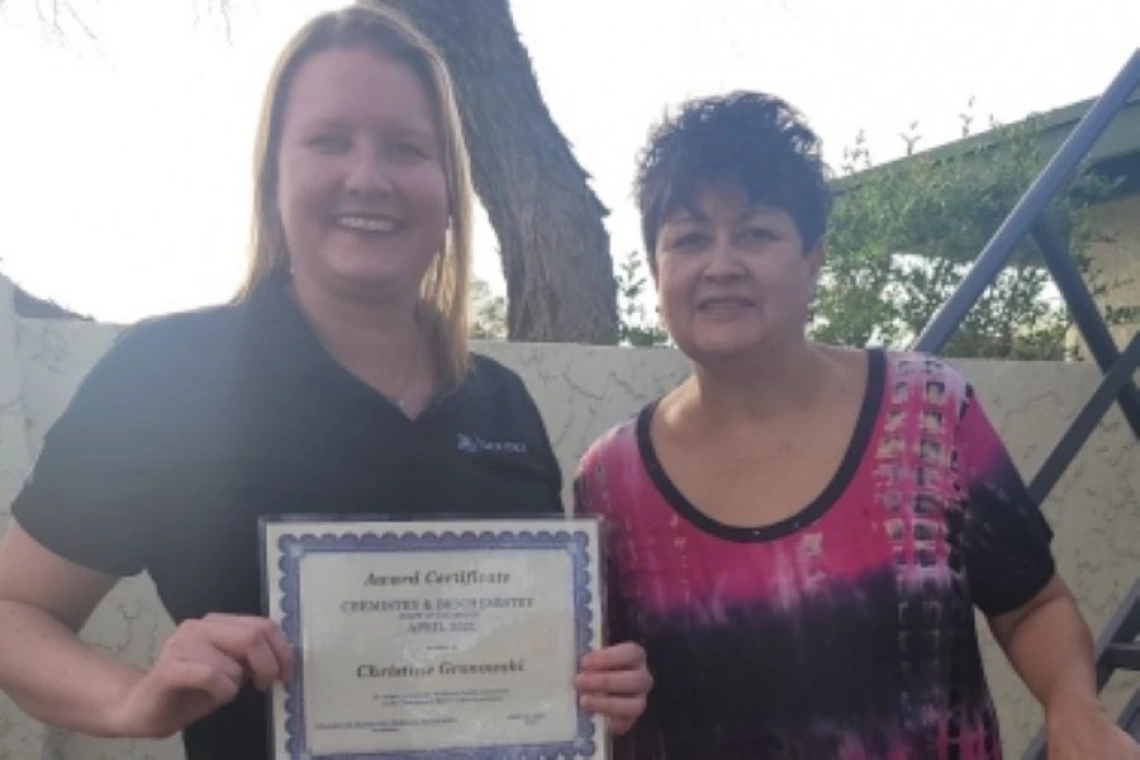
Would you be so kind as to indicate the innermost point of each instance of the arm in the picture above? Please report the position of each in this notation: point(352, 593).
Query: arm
point(1051, 648)
point(1031, 612)
point(44, 667)
point(57, 679)
point(83, 519)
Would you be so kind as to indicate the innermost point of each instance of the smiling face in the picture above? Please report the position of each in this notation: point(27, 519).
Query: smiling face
point(732, 276)
point(361, 191)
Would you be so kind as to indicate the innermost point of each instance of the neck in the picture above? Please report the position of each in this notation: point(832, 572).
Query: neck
point(367, 335)
point(760, 388)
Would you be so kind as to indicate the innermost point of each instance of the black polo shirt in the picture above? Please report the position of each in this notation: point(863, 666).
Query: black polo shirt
point(194, 425)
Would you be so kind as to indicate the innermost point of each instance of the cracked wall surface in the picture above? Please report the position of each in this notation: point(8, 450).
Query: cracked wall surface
point(581, 392)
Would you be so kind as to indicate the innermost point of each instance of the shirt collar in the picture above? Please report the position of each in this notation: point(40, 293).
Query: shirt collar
point(278, 335)
point(282, 342)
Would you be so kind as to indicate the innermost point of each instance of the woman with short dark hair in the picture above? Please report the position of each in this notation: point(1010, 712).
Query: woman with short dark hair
point(800, 533)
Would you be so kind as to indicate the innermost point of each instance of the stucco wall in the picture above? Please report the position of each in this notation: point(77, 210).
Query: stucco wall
point(581, 391)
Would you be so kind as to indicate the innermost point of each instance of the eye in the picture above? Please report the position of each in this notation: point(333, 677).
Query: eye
point(329, 143)
point(690, 241)
point(406, 151)
point(759, 234)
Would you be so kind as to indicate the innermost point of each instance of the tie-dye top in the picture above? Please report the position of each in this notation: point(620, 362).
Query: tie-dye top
point(845, 631)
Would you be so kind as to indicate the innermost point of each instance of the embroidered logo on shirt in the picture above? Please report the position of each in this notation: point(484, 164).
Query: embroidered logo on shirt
point(473, 444)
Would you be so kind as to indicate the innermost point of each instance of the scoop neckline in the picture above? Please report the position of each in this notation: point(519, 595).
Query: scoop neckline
point(815, 509)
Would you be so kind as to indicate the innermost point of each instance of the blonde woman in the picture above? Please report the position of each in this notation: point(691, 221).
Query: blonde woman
point(338, 381)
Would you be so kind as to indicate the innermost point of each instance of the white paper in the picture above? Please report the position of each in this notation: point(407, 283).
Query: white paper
point(437, 644)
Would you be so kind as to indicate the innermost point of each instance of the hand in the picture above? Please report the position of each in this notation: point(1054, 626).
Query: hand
point(1080, 732)
point(615, 682)
point(202, 666)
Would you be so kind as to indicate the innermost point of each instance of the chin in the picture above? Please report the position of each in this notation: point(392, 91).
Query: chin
point(369, 271)
point(717, 352)
point(725, 344)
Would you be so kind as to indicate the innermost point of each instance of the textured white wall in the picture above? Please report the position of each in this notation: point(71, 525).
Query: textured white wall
point(581, 392)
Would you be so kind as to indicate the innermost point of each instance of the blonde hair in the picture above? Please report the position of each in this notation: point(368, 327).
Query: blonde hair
point(445, 291)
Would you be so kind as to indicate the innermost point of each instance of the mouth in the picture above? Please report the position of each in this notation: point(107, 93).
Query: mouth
point(370, 223)
point(725, 303)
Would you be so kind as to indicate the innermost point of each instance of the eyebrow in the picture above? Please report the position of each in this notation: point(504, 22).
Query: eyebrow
point(756, 213)
point(686, 214)
point(424, 130)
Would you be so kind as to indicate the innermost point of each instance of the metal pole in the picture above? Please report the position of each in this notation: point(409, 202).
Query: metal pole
point(1000, 247)
point(1086, 421)
point(1086, 315)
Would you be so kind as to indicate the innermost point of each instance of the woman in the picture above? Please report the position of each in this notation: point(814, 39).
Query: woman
point(339, 381)
point(800, 531)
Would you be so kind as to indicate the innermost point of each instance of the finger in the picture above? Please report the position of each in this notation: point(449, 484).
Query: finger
point(204, 653)
point(628, 708)
point(278, 644)
point(197, 676)
point(282, 650)
point(625, 656)
point(619, 682)
point(247, 642)
point(619, 726)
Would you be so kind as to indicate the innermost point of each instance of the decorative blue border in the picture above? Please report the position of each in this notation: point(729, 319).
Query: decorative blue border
point(295, 548)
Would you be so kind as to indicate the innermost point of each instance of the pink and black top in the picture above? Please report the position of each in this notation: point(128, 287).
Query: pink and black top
point(847, 630)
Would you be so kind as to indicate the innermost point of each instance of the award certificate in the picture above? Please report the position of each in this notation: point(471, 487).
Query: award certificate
point(434, 638)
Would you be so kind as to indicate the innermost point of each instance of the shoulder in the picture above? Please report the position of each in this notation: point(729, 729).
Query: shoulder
point(611, 474)
point(497, 391)
point(492, 411)
point(178, 338)
point(160, 357)
point(488, 376)
point(615, 450)
point(926, 379)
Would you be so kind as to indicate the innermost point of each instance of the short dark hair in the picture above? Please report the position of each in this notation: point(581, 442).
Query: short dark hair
point(750, 139)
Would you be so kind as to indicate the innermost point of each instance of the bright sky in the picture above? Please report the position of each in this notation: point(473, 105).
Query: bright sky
point(125, 162)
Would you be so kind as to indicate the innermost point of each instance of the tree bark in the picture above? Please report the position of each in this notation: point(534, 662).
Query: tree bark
point(554, 246)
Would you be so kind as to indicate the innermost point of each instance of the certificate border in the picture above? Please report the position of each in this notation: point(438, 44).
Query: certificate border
point(386, 535)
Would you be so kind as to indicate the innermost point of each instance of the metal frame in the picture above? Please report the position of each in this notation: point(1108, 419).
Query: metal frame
point(1086, 315)
point(1130, 717)
point(1117, 647)
point(1029, 208)
point(1028, 218)
point(1118, 377)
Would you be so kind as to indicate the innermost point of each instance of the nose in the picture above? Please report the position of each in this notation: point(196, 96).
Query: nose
point(723, 263)
point(368, 173)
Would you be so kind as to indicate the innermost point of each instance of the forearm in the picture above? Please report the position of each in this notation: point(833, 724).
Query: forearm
point(1051, 647)
point(56, 678)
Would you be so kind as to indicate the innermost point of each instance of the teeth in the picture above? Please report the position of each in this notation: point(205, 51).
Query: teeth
point(366, 223)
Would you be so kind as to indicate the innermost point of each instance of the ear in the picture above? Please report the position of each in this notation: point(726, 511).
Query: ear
point(816, 258)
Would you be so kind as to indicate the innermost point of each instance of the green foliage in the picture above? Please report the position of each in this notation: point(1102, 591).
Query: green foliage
point(489, 320)
point(902, 239)
point(634, 327)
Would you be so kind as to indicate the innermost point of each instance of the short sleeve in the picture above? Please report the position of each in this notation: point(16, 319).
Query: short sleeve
point(519, 418)
point(1005, 538)
point(551, 470)
point(101, 465)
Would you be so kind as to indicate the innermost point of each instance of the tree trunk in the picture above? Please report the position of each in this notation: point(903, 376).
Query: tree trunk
point(554, 247)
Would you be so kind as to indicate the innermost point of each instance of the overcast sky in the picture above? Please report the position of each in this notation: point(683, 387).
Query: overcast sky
point(125, 162)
